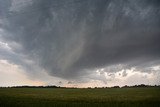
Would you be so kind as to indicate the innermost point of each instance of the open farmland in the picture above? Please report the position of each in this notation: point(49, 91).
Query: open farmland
point(67, 97)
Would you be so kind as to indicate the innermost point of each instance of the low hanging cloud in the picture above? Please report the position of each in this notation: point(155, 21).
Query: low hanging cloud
point(67, 38)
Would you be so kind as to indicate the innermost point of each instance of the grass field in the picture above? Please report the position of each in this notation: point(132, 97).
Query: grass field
point(59, 97)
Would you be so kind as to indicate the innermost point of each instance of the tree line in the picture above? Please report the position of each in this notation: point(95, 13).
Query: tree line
point(54, 86)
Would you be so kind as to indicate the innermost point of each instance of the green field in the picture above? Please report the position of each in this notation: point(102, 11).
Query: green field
point(61, 97)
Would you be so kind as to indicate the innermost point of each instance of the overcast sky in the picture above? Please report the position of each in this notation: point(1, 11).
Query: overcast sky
point(79, 43)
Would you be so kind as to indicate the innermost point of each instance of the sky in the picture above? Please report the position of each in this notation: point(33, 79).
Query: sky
point(79, 43)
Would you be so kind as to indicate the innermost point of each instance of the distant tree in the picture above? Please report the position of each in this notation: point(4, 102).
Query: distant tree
point(125, 86)
point(115, 87)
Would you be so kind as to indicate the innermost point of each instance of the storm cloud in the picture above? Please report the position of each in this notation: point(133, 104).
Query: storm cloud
point(67, 38)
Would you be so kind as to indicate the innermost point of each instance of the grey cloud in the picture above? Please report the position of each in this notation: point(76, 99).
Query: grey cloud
point(124, 73)
point(68, 37)
point(4, 6)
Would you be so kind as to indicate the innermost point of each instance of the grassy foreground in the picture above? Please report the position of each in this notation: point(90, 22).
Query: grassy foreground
point(59, 97)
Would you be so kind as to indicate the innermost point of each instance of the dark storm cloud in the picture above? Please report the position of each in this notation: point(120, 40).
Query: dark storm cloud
point(68, 37)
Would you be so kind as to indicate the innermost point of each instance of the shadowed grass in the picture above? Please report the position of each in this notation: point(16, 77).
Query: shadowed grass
point(57, 97)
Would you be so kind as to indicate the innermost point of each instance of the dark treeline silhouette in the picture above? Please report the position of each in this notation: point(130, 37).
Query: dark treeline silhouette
point(26, 86)
point(141, 85)
point(135, 86)
point(54, 86)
